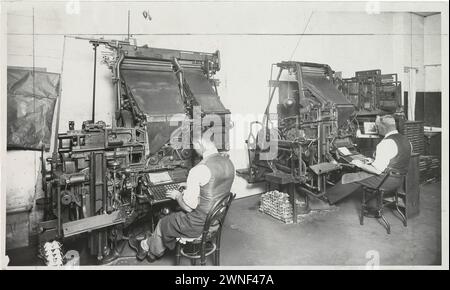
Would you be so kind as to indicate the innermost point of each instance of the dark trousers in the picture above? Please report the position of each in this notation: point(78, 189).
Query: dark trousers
point(340, 191)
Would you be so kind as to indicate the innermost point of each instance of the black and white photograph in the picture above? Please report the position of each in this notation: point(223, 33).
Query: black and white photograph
point(140, 134)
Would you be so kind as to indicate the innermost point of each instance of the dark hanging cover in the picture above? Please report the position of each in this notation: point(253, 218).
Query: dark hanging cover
point(31, 103)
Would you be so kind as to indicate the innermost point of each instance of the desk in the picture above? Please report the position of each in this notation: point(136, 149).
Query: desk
point(409, 193)
point(433, 143)
point(412, 188)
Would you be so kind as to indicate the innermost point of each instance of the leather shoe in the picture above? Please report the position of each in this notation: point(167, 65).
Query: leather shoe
point(111, 257)
point(114, 253)
point(151, 258)
point(135, 244)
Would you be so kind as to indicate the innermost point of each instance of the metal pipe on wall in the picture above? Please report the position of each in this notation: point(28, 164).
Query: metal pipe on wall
point(58, 202)
point(319, 147)
point(95, 45)
point(118, 84)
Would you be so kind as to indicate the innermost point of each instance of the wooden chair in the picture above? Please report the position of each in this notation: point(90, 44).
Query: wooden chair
point(384, 197)
point(209, 242)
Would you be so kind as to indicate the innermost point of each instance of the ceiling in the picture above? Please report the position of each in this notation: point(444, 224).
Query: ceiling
point(425, 14)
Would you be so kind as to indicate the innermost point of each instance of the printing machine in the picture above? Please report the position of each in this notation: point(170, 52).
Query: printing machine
point(298, 145)
point(322, 122)
point(373, 93)
point(370, 90)
point(103, 178)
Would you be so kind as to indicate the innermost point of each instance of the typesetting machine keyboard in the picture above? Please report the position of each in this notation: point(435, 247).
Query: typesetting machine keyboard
point(158, 192)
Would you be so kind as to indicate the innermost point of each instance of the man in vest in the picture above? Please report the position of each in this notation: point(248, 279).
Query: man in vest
point(207, 182)
point(393, 152)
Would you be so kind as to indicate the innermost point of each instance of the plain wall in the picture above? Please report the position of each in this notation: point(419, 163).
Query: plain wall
point(250, 37)
point(432, 56)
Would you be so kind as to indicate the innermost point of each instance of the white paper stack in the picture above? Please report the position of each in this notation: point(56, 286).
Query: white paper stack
point(277, 205)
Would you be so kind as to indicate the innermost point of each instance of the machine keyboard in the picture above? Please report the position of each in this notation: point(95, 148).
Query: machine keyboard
point(158, 192)
point(358, 156)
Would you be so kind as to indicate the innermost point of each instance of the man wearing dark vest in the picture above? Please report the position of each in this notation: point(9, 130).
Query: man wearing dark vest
point(393, 153)
point(207, 182)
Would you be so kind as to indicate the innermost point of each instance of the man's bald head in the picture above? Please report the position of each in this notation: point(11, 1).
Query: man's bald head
point(385, 124)
point(203, 142)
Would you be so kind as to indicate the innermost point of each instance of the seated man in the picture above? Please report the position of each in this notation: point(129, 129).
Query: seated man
point(393, 152)
point(207, 182)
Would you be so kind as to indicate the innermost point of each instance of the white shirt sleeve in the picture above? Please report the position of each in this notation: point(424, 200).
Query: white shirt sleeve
point(386, 150)
point(198, 176)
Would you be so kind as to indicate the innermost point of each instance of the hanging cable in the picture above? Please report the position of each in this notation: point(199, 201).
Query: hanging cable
point(301, 35)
